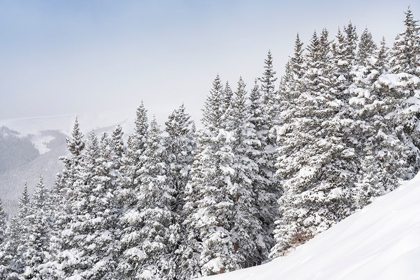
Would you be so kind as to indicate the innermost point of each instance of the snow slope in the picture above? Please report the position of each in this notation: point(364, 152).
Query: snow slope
point(382, 241)
point(47, 135)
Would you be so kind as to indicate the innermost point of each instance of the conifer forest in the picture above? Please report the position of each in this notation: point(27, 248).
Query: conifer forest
point(274, 162)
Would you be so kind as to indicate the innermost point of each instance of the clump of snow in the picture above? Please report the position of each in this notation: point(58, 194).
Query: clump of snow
point(382, 241)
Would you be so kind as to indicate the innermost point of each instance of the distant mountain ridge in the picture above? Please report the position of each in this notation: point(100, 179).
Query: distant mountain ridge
point(31, 147)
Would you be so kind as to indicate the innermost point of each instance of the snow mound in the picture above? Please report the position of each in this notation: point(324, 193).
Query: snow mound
point(382, 241)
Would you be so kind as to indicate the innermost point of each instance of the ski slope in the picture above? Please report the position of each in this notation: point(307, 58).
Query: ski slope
point(382, 241)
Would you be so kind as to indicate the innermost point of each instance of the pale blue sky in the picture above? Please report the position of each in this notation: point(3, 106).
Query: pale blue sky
point(63, 57)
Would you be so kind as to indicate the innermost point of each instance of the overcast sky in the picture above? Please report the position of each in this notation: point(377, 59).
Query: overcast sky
point(66, 57)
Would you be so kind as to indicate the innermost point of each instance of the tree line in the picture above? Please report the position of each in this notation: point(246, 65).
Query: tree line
point(271, 167)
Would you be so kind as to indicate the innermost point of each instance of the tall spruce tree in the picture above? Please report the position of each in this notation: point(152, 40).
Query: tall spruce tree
point(316, 165)
point(3, 225)
point(37, 243)
point(350, 43)
point(209, 203)
point(130, 221)
point(11, 260)
point(374, 138)
point(247, 229)
point(77, 237)
point(179, 146)
point(3, 232)
point(156, 197)
point(366, 47)
point(405, 57)
point(402, 84)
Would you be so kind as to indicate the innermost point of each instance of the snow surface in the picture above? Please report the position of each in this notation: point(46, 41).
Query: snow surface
point(382, 241)
point(41, 141)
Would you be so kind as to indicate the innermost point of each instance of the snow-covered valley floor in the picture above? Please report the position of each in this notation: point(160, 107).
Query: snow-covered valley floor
point(382, 241)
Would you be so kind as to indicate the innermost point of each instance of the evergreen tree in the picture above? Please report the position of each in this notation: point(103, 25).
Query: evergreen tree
point(298, 59)
point(324, 48)
point(405, 57)
point(37, 242)
point(316, 66)
point(350, 43)
point(209, 202)
point(374, 139)
point(227, 95)
point(268, 92)
point(366, 47)
point(12, 250)
point(3, 225)
point(179, 146)
point(213, 113)
point(402, 85)
point(77, 236)
point(156, 235)
point(130, 221)
point(340, 66)
point(263, 117)
point(3, 236)
point(266, 196)
point(382, 58)
point(247, 230)
point(316, 163)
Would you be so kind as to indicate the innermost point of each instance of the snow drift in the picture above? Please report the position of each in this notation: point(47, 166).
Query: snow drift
point(382, 241)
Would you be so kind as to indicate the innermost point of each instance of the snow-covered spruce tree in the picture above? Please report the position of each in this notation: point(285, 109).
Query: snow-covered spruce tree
point(179, 146)
point(63, 186)
point(76, 239)
point(3, 232)
point(403, 84)
point(11, 259)
point(137, 146)
point(262, 185)
point(103, 257)
point(375, 141)
point(130, 221)
point(291, 83)
point(316, 165)
point(190, 248)
point(268, 91)
point(324, 47)
point(340, 66)
point(366, 47)
point(247, 230)
point(382, 58)
point(50, 269)
point(157, 234)
point(316, 66)
point(264, 116)
point(350, 43)
point(90, 235)
point(37, 243)
point(3, 224)
point(227, 96)
point(209, 203)
point(405, 56)
point(22, 235)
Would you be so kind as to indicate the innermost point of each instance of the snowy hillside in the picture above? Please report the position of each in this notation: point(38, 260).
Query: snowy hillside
point(382, 241)
point(31, 147)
